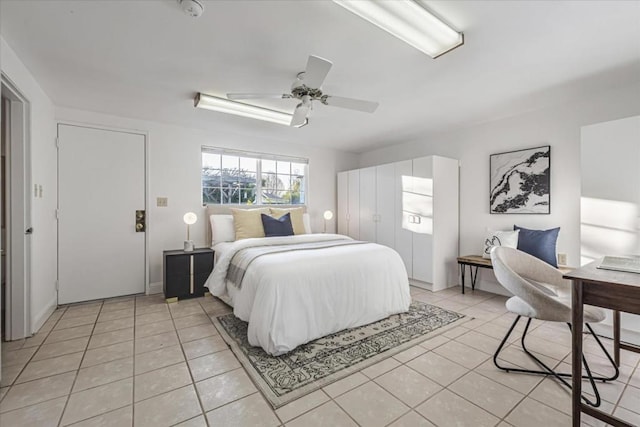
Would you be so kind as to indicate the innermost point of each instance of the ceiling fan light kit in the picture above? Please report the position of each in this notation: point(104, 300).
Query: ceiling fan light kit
point(410, 22)
point(222, 105)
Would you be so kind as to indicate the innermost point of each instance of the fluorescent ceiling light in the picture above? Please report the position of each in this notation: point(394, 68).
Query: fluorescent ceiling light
point(408, 21)
point(222, 105)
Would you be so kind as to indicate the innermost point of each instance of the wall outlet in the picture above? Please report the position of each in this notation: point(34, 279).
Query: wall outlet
point(162, 202)
point(562, 259)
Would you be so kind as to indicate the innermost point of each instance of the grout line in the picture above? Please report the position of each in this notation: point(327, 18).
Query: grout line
point(184, 355)
point(73, 384)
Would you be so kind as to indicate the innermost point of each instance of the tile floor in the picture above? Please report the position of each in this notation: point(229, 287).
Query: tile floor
point(138, 361)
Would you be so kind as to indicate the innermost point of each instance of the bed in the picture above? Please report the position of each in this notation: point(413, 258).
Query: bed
point(294, 289)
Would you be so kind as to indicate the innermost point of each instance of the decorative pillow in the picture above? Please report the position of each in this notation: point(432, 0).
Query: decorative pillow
point(222, 229)
point(296, 217)
point(539, 243)
point(508, 239)
point(247, 223)
point(277, 226)
point(306, 219)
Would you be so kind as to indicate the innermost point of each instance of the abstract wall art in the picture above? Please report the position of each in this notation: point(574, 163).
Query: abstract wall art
point(521, 182)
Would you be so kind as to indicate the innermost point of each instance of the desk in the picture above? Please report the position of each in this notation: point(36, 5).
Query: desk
point(616, 290)
point(477, 261)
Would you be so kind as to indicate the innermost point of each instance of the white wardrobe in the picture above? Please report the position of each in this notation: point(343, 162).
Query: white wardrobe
point(410, 206)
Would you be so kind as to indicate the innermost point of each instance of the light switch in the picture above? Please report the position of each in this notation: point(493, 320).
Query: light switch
point(162, 202)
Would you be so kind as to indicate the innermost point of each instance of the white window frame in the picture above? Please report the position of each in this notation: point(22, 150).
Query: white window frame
point(258, 156)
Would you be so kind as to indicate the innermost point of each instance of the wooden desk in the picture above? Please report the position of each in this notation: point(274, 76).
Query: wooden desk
point(615, 290)
point(477, 261)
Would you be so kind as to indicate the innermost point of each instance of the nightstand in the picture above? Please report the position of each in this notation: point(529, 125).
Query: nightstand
point(185, 273)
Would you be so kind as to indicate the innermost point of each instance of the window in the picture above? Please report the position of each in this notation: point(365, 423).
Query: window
point(234, 177)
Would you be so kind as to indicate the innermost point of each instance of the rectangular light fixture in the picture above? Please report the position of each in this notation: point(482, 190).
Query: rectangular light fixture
point(408, 21)
point(223, 105)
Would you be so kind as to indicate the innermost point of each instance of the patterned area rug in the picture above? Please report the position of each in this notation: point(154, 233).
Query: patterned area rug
point(314, 365)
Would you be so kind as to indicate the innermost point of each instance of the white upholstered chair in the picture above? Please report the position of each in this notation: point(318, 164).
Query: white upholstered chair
point(541, 293)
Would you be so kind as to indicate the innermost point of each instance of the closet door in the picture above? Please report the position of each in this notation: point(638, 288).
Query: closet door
point(342, 215)
point(353, 208)
point(422, 219)
point(368, 204)
point(385, 205)
point(402, 185)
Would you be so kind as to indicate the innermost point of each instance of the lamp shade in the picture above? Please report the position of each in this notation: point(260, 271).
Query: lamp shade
point(190, 218)
point(328, 215)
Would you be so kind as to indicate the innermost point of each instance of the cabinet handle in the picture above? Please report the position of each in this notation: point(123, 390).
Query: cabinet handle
point(191, 274)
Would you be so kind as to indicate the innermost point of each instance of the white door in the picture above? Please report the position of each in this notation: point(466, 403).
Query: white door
point(343, 203)
point(101, 176)
point(385, 194)
point(403, 184)
point(354, 204)
point(368, 204)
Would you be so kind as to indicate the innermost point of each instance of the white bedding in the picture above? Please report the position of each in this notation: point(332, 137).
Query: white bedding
point(291, 298)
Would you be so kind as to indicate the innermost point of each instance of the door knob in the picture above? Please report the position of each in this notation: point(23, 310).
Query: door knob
point(28, 230)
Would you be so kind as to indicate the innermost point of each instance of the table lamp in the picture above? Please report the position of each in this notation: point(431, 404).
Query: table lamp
point(328, 215)
point(189, 218)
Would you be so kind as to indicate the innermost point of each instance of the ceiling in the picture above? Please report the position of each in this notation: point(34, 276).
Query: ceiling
point(146, 59)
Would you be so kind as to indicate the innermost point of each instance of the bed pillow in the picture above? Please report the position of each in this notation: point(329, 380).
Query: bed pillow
point(306, 219)
point(508, 239)
point(222, 229)
point(277, 226)
point(539, 243)
point(296, 217)
point(247, 223)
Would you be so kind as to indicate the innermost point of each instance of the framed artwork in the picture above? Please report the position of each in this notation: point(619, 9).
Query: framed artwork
point(520, 181)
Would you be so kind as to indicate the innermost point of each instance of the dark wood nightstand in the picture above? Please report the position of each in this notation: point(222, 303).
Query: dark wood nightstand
point(185, 273)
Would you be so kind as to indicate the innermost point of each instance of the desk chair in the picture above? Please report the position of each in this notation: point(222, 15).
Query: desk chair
point(541, 293)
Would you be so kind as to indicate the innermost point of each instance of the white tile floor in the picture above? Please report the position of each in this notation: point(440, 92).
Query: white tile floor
point(138, 361)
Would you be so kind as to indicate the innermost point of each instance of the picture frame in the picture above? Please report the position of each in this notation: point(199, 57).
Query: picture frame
point(520, 181)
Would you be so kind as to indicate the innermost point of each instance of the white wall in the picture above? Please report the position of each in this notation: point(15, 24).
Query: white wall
point(43, 172)
point(175, 162)
point(610, 161)
point(558, 126)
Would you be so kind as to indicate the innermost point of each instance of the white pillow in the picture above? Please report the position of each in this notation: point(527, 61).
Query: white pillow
point(222, 229)
point(508, 239)
point(306, 219)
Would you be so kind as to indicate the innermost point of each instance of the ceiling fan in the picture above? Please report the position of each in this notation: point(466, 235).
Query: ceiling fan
point(308, 88)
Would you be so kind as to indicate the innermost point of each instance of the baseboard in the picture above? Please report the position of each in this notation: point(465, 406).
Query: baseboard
point(41, 318)
point(155, 288)
point(419, 284)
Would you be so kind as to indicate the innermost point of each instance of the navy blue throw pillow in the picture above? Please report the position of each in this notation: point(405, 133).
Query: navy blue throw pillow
point(277, 227)
point(539, 243)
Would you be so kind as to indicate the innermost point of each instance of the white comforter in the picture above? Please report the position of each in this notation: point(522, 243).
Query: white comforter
point(294, 297)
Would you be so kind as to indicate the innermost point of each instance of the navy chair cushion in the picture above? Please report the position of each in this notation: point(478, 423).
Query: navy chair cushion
point(277, 227)
point(539, 243)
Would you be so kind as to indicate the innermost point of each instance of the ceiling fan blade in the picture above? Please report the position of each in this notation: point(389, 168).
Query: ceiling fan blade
point(300, 115)
point(316, 71)
point(350, 103)
point(257, 95)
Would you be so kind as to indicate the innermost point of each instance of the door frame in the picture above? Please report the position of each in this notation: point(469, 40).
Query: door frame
point(144, 134)
point(18, 304)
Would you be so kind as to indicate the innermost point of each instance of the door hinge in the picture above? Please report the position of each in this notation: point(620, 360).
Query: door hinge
point(57, 142)
point(57, 213)
point(57, 285)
